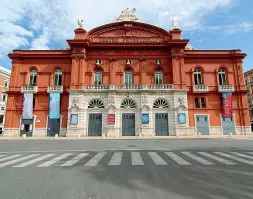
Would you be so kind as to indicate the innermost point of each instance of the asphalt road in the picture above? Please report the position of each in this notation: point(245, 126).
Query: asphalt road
point(101, 169)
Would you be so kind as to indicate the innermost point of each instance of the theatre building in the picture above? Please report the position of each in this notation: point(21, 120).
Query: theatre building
point(127, 78)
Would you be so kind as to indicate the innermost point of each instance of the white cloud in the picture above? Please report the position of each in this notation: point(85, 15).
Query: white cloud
point(56, 20)
point(40, 43)
point(233, 28)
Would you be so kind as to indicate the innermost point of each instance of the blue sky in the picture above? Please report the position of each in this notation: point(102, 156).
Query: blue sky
point(46, 24)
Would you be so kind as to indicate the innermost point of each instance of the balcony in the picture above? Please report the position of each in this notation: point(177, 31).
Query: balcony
point(129, 87)
point(55, 89)
point(226, 88)
point(29, 89)
point(200, 88)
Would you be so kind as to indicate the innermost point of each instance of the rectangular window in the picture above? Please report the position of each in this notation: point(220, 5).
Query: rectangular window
point(158, 78)
point(128, 77)
point(1, 119)
point(251, 79)
point(197, 105)
point(34, 101)
point(6, 83)
point(4, 97)
point(203, 102)
point(58, 80)
point(246, 81)
point(33, 80)
point(197, 79)
point(2, 108)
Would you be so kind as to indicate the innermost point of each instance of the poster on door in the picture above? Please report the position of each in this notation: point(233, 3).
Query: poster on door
point(227, 105)
point(27, 112)
point(54, 106)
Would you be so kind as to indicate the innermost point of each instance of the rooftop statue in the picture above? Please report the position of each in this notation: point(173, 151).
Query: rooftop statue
point(80, 23)
point(127, 15)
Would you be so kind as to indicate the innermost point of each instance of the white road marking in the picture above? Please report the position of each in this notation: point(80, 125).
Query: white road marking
point(250, 153)
point(217, 158)
point(235, 158)
point(136, 158)
point(34, 160)
point(156, 158)
point(9, 157)
point(74, 160)
point(177, 159)
point(18, 160)
point(95, 159)
point(116, 158)
point(242, 155)
point(2, 156)
point(197, 158)
point(53, 161)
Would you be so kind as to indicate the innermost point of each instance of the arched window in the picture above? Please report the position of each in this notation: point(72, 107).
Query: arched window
point(222, 77)
point(96, 103)
point(33, 77)
point(158, 77)
point(160, 103)
point(128, 77)
point(58, 77)
point(98, 77)
point(197, 77)
point(128, 103)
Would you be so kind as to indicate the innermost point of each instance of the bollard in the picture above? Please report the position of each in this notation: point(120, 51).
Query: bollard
point(230, 134)
point(24, 135)
point(199, 134)
point(56, 135)
point(78, 136)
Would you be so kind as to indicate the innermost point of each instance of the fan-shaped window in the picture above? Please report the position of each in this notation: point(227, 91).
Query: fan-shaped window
point(58, 77)
point(158, 77)
point(160, 103)
point(96, 103)
point(197, 77)
point(128, 103)
point(222, 77)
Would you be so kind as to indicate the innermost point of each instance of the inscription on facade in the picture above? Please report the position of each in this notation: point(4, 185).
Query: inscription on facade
point(128, 40)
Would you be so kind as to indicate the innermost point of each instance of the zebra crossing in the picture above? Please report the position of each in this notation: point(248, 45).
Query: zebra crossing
point(132, 158)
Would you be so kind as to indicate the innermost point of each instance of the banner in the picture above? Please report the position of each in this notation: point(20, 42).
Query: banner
point(145, 118)
point(227, 105)
point(181, 118)
point(28, 106)
point(111, 118)
point(54, 106)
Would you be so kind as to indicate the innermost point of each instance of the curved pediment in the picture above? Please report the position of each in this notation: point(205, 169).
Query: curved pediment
point(128, 32)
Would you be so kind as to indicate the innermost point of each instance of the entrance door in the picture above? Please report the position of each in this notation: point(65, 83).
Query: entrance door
point(95, 124)
point(53, 127)
point(202, 124)
point(26, 127)
point(161, 124)
point(228, 125)
point(128, 124)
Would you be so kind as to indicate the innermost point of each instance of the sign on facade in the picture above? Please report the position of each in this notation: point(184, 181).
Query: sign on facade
point(227, 105)
point(28, 106)
point(74, 119)
point(54, 110)
point(111, 118)
point(181, 118)
point(145, 118)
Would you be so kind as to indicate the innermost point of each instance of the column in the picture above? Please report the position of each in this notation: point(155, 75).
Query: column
point(112, 71)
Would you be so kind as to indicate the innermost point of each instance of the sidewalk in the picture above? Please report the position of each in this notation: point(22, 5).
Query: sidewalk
point(132, 138)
